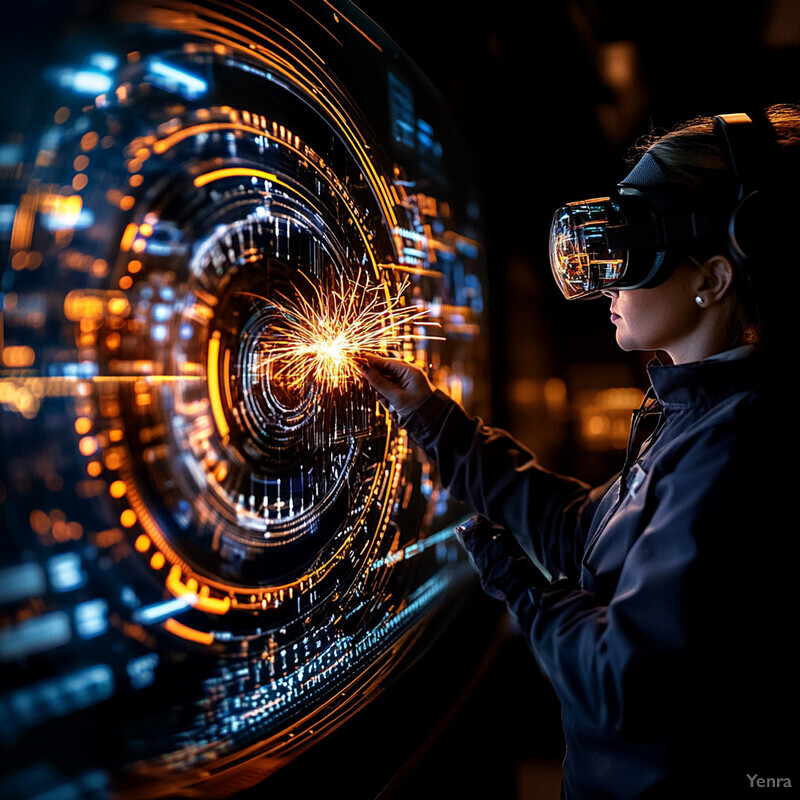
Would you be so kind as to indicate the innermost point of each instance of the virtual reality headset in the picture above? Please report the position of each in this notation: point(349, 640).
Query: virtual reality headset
point(633, 239)
point(622, 241)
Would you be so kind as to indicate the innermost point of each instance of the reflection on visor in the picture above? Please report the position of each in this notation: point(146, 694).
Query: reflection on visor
point(581, 261)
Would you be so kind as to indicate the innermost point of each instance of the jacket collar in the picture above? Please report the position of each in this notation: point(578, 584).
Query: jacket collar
point(706, 382)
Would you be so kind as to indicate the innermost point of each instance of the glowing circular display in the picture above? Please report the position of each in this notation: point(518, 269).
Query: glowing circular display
point(210, 517)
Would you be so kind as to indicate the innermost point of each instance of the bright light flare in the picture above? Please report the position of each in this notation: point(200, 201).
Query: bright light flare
point(320, 338)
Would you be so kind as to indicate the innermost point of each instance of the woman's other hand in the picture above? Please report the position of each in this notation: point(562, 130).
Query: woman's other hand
point(404, 386)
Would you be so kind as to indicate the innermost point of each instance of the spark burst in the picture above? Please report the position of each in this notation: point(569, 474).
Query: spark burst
point(320, 338)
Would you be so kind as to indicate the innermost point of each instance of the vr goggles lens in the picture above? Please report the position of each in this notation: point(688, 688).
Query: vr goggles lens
point(582, 261)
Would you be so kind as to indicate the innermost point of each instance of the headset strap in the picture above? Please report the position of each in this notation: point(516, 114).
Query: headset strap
point(752, 148)
point(658, 232)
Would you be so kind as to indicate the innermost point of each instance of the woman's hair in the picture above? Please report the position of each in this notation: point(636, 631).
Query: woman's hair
point(696, 158)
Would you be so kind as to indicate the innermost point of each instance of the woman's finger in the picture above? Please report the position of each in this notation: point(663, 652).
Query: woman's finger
point(389, 367)
point(381, 384)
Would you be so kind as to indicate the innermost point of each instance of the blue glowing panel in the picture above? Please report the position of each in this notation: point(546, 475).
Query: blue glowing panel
point(207, 560)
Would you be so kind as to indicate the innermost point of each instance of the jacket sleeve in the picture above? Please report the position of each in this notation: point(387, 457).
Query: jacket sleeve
point(631, 662)
point(497, 476)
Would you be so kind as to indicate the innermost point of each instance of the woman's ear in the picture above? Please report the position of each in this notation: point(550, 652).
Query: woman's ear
point(714, 279)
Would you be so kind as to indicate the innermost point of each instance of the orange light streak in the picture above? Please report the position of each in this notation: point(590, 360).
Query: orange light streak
point(185, 632)
point(211, 605)
point(22, 229)
point(162, 145)
point(214, 393)
point(148, 379)
point(355, 27)
point(235, 172)
point(128, 236)
point(412, 270)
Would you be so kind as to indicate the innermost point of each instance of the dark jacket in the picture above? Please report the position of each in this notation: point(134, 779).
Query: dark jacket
point(667, 616)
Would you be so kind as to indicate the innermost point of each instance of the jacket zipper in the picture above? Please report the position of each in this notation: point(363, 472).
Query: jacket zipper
point(647, 407)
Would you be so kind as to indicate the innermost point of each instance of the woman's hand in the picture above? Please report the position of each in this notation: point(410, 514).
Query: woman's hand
point(404, 386)
point(505, 570)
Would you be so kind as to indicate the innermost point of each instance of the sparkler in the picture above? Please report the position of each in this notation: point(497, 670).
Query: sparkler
point(320, 338)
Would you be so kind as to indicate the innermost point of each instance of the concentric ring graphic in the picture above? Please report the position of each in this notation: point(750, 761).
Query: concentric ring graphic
point(214, 552)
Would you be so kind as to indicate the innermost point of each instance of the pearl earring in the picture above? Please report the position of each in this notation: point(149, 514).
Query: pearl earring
point(699, 300)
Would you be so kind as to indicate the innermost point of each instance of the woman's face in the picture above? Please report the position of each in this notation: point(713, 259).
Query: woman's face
point(665, 317)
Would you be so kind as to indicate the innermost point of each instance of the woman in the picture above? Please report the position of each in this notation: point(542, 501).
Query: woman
point(659, 605)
